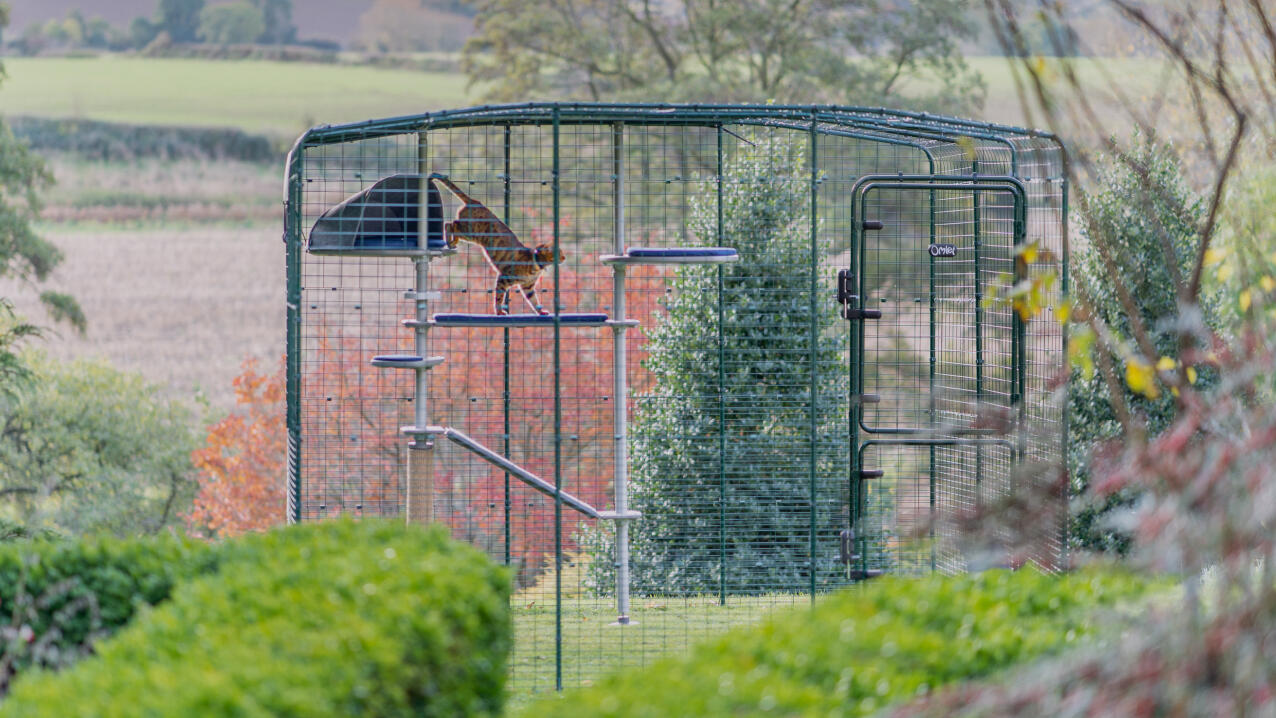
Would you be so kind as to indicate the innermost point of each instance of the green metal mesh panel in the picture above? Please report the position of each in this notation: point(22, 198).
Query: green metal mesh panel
point(739, 377)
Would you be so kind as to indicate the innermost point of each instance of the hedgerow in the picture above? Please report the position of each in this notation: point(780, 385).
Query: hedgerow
point(861, 649)
point(338, 618)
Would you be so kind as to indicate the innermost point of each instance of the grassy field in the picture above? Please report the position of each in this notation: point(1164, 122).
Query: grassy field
point(594, 648)
point(281, 99)
point(183, 307)
point(284, 98)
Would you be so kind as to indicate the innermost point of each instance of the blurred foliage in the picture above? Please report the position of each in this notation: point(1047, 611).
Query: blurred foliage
point(232, 22)
point(1141, 206)
point(766, 330)
point(240, 469)
point(865, 52)
point(60, 596)
point(864, 648)
point(87, 448)
point(333, 618)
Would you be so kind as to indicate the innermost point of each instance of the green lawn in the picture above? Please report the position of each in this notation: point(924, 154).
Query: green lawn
point(270, 97)
point(594, 648)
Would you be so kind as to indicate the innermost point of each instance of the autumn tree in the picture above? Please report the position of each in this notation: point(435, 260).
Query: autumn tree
point(841, 51)
point(241, 465)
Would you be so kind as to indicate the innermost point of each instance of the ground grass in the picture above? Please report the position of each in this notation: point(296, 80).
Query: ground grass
point(280, 99)
point(594, 648)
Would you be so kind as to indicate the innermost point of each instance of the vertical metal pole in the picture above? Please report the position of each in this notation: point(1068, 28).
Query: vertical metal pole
point(1063, 432)
point(420, 491)
point(505, 392)
point(722, 403)
point(292, 227)
point(558, 431)
point(931, 392)
point(856, 353)
point(620, 389)
point(979, 327)
point(813, 408)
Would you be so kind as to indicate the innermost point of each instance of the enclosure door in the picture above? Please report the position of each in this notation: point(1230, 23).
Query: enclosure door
point(935, 361)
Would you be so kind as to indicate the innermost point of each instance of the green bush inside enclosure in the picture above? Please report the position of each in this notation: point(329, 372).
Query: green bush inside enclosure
point(862, 649)
point(336, 618)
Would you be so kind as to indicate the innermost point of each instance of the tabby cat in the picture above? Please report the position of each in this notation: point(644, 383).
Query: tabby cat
point(516, 265)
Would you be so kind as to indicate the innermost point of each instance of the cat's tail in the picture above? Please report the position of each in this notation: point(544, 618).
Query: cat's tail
point(451, 186)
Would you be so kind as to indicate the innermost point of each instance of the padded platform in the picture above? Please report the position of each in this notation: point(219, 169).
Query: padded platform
point(406, 361)
point(518, 320)
point(673, 255)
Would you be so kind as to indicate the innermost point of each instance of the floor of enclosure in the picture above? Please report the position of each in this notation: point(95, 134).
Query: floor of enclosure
point(594, 648)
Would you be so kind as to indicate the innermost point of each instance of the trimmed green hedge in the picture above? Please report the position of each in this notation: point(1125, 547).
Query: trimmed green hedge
point(69, 593)
point(338, 618)
point(862, 649)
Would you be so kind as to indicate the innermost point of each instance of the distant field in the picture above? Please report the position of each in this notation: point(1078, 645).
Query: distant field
point(276, 98)
point(182, 306)
point(284, 98)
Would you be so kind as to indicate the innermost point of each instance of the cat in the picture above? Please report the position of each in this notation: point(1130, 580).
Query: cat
point(516, 265)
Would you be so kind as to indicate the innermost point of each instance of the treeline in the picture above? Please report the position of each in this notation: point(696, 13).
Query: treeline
point(202, 28)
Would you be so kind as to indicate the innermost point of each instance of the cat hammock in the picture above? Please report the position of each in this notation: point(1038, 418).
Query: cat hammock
point(382, 220)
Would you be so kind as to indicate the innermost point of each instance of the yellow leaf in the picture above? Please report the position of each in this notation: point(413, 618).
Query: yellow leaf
point(1267, 283)
point(1063, 311)
point(1214, 256)
point(1141, 379)
point(1225, 272)
point(1029, 253)
point(1166, 364)
point(1246, 299)
point(968, 146)
point(1191, 375)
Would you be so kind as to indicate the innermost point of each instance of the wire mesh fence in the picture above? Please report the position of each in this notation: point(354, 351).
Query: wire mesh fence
point(714, 434)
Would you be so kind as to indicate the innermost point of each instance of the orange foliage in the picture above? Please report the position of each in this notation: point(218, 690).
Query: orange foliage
point(241, 467)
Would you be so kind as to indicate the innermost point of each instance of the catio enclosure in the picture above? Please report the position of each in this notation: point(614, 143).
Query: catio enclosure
point(775, 361)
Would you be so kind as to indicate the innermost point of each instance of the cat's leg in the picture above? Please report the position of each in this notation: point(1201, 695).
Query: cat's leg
point(529, 293)
point(501, 300)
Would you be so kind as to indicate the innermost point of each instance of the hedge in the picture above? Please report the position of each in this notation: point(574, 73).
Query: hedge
point(862, 649)
point(60, 595)
point(336, 618)
point(115, 142)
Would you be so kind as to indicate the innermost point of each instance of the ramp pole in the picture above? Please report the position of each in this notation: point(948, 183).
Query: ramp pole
point(620, 390)
point(527, 477)
point(420, 468)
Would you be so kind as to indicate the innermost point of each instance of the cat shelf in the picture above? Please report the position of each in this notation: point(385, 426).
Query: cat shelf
point(519, 320)
point(382, 221)
point(673, 255)
point(406, 361)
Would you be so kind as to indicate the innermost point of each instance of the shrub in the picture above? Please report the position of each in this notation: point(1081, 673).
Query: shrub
point(338, 618)
point(865, 647)
point(767, 343)
point(61, 596)
point(115, 142)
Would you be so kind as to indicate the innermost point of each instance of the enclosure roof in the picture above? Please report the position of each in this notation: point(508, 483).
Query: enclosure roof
point(876, 119)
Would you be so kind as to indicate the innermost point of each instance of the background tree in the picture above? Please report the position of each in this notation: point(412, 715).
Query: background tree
point(241, 465)
point(23, 253)
point(767, 343)
point(856, 51)
point(277, 14)
point(180, 19)
point(1142, 209)
point(87, 448)
point(231, 23)
point(413, 26)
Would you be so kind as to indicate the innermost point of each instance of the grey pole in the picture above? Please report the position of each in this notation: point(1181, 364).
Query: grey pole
point(420, 467)
point(621, 391)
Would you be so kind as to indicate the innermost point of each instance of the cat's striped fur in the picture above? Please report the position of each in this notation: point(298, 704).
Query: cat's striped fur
point(516, 264)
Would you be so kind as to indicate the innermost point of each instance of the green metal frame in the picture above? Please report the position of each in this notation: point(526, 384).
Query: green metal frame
point(952, 150)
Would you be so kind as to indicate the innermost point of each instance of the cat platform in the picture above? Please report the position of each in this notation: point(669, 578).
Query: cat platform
point(673, 255)
point(520, 320)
